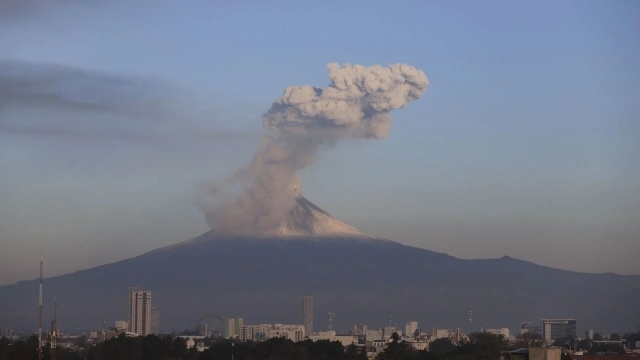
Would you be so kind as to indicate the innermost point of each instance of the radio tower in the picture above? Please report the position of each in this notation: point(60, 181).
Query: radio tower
point(470, 318)
point(40, 354)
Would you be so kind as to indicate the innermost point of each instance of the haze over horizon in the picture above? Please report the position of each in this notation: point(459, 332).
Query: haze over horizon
point(526, 143)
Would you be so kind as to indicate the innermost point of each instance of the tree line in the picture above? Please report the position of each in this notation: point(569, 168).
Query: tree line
point(480, 347)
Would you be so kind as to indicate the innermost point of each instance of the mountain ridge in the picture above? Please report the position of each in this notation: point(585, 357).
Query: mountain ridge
point(362, 278)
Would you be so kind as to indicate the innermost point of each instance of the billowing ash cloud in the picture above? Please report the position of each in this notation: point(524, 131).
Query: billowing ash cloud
point(356, 104)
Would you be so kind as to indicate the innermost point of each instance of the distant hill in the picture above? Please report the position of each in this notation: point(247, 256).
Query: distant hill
point(261, 277)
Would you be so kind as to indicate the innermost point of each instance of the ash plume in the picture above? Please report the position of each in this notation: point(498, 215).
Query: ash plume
point(355, 105)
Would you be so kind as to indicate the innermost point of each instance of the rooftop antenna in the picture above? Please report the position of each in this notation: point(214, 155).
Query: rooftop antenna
point(470, 319)
point(40, 354)
point(104, 332)
point(331, 316)
point(389, 319)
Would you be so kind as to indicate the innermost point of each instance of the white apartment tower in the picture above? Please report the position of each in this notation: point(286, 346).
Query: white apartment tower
point(307, 314)
point(232, 327)
point(410, 328)
point(139, 311)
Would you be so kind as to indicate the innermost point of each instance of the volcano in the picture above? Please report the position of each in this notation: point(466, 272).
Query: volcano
point(261, 276)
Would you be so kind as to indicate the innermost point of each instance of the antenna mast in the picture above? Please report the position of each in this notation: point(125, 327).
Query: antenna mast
point(53, 336)
point(331, 315)
point(470, 319)
point(40, 354)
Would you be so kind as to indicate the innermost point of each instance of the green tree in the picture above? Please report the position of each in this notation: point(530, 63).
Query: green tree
point(23, 350)
point(597, 337)
point(4, 348)
point(353, 352)
point(398, 350)
point(151, 347)
point(166, 347)
point(179, 348)
point(441, 346)
point(631, 339)
point(489, 346)
point(280, 349)
point(584, 344)
point(615, 337)
point(565, 342)
point(323, 349)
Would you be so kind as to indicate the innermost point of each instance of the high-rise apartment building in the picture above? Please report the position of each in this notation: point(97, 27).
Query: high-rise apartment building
point(6, 333)
point(307, 314)
point(553, 329)
point(139, 311)
point(410, 328)
point(232, 327)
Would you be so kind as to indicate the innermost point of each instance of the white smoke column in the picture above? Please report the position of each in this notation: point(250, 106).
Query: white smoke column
point(356, 104)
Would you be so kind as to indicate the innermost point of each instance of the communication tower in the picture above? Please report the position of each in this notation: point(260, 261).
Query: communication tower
point(331, 316)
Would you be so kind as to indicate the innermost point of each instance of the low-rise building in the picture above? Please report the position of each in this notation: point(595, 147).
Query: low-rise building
point(267, 331)
point(418, 344)
point(544, 353)
point(122, 325)
point(291, 332)
point(253, 332)
point(345, 340)
point(502, 331)
point(373, 335)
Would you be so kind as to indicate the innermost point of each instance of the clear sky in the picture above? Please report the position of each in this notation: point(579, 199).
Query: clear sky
point(527, 142)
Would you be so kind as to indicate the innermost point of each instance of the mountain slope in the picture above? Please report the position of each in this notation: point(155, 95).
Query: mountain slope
point(261, 277)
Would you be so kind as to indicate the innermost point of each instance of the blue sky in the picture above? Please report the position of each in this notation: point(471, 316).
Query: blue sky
point(525, 144)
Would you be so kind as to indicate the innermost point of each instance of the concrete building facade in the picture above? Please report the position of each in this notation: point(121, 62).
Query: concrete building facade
point(232, 327)
point(553, 329)
point(139, 311)
point(346, 340)
point(6, 333)
point(122, 325)
point(373, 335)
point(502, 331)
point(410, 328)
point(291, 332)
point(307, 313)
